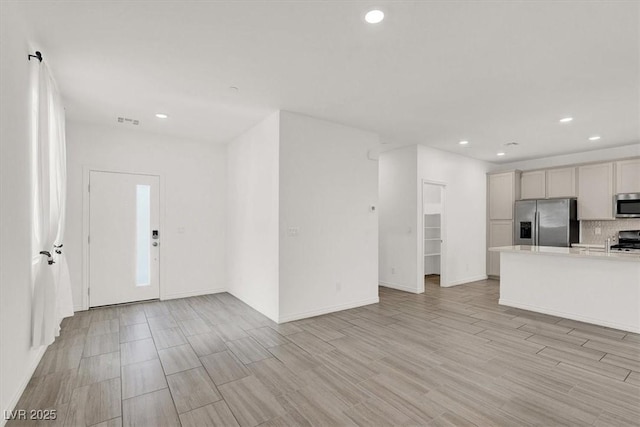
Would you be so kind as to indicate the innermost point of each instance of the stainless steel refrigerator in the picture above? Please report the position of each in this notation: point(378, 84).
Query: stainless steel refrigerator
point(547, 222)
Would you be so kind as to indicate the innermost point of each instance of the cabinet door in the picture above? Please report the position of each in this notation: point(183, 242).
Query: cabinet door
point(501, 195)
point(628, 176)
point(595, 191)
point(500, 234)
point(561, 183)
point(532, 185)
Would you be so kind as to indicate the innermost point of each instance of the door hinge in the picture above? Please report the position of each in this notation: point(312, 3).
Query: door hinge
point(88, 239)
point(88, 291)
point(88, 187)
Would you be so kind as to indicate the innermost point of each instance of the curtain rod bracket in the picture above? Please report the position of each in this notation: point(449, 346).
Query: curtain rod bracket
point(37, 55)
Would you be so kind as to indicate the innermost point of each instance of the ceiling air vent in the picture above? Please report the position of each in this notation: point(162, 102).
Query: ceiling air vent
point(129, 121)
point(511, 144)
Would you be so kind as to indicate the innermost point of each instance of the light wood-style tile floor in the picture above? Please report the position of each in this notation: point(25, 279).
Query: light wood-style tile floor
point(448, 357)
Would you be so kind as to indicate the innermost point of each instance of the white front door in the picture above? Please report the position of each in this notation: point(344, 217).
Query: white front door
point(124, 239)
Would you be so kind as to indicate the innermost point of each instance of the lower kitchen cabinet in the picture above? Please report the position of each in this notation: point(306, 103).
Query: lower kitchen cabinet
point(500, 234)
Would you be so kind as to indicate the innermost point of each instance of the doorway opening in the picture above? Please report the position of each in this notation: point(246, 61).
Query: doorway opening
point(432, 233)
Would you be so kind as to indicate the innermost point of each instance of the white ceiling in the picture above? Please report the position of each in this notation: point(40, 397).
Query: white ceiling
point(433, 72)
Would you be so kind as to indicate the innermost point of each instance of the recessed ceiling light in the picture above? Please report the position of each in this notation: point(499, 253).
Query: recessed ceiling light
point(463, 142)
point(502, 153)
point(161, 116)
point(374, 16)
point(594, 138)
point(566, 120)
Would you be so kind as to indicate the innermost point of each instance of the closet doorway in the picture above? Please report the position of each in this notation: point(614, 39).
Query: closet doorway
point(433, 196)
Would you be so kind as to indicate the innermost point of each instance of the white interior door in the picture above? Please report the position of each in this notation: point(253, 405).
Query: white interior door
point(124, 243)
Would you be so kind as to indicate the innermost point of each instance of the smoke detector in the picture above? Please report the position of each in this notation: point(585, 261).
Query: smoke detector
point(126, 120)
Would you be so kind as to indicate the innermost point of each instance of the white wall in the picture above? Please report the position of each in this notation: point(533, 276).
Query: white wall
point(465, 212)
point(327, 185)
point(193, 193)
point(252, 224)
point(602, 155)
point(402, 172)
point(398, 170)
point(17, 359)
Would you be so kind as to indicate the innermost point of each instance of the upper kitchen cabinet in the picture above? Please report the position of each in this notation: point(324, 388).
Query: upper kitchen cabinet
point(595, 192)
point(533, 185)
point(628, 176)
point(561, 183)
point(548, 184)
point(503, 192)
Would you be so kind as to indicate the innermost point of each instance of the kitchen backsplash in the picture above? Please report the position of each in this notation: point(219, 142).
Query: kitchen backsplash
point(607, 229)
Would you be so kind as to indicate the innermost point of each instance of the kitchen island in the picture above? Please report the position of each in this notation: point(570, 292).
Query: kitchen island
point(591, 286)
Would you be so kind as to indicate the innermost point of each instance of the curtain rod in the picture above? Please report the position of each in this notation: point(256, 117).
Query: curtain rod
point(37, 55)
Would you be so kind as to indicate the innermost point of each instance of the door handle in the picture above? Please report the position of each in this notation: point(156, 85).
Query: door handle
point(155, 243)
point(537, 217)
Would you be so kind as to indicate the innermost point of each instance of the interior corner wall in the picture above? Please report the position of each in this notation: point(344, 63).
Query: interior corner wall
point(252, 221)
point(465, 212)
point(193, 193)
point(328, 235)
point(17, 359)
point(398, 221)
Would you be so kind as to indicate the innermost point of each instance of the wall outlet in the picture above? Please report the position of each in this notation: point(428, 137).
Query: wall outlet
point(338, 286)
point(597, 231)
point(393, 270)
point(293, 231)
point(180, 230)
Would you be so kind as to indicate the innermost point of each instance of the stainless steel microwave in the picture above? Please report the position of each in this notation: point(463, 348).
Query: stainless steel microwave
point(627, 205)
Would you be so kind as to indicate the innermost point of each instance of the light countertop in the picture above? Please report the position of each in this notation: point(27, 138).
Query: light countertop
point(588, 246)
point(570, 252)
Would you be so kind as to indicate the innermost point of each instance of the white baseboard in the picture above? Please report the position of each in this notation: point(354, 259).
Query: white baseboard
point(401, 287)
point(173, 296)
point(572, 316)
point(23, 384)
point(177, 295)
point(465, 280)
point(326, 310)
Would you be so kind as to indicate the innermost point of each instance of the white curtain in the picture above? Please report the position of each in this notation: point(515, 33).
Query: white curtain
point(52, 286)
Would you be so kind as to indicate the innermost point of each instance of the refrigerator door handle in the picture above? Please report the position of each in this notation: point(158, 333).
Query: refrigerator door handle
point(536, 240)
